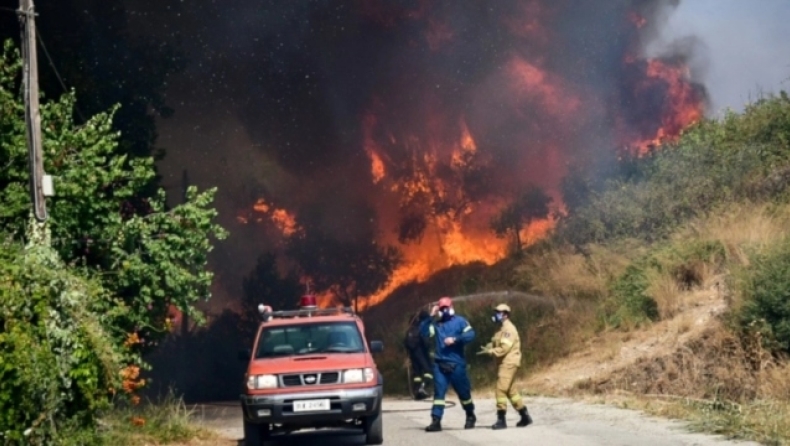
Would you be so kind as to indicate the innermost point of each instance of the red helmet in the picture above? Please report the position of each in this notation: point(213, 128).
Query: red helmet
point(445, 302)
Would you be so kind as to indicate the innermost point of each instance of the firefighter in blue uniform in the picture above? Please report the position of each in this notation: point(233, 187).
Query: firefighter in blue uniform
point(451, 333)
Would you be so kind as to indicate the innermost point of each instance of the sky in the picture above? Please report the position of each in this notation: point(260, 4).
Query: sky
point(744, 43)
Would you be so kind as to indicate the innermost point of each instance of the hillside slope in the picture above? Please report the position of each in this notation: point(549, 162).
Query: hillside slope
point(668, 279)
point(609, 356)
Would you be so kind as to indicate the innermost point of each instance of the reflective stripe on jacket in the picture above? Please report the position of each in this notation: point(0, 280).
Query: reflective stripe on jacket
point(457, 327)
point(507, 344)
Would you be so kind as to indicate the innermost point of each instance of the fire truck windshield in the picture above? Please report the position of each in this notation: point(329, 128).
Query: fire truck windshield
point(309, 338)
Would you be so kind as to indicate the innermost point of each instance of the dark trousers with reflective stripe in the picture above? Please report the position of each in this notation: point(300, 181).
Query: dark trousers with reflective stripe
point(420, 365)
point(459, 380)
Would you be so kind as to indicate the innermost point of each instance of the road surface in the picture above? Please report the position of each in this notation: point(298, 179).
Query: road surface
point(556, 422)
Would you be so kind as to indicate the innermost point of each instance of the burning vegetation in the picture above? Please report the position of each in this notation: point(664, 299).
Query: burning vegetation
point(464, 119)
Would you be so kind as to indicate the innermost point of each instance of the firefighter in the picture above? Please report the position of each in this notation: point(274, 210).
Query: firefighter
point(451, 333)
point(418, 347)
point(505, 346)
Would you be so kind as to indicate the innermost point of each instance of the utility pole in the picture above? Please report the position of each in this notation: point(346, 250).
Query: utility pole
point(40, 184)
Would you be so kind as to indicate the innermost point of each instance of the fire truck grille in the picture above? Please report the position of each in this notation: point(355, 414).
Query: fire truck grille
point(309, 379)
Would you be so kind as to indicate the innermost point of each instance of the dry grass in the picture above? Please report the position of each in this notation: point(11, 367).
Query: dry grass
point(716, 382)
point(564, 273)
point(742, 228)
point(166, 422)
point(714, 365)
point(720, 383)
point(763, 421)
point(666, 292)
point(775, 382)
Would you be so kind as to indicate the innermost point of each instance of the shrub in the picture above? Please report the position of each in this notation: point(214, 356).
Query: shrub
point(628, 304)
point(765, 288)
point(57, 359)
point(636, 297)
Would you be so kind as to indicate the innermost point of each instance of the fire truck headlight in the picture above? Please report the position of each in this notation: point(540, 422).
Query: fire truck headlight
point(261, 382)
point(358, 375)
point(352, 376)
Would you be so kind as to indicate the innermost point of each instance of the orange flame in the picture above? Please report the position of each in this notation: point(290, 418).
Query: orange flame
point(467, 146)
point(684, 109)
point(449, 239)
point(377, 170)
point(282, 219)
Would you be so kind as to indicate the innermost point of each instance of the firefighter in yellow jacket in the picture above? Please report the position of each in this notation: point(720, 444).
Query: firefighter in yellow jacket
point(505, 346)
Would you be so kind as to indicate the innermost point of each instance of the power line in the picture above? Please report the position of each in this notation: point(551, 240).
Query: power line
point(49, 59)
point(57, 73)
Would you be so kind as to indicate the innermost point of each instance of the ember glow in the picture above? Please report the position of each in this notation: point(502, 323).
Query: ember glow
point(283, 220)
point(459, 108)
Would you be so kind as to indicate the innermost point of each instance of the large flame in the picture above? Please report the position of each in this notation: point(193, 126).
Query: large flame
point(440, 170)
point(456, 237)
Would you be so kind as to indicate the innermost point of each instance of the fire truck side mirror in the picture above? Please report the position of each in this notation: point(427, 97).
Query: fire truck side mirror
point(376, 346)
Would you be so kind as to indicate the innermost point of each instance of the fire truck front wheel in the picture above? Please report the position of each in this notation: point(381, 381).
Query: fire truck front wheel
point(374, 428)
point(255, 434)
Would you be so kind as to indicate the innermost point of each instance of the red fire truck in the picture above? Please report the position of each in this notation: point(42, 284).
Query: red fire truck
point(311, 368)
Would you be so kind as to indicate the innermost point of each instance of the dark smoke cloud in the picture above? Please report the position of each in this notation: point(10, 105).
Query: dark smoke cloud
point(276, 94)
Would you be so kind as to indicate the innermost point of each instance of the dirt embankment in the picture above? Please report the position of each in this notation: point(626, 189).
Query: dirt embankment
point(690, 355)
point(648, 360)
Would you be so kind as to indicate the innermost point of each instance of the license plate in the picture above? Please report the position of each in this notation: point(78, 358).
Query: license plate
point(311, 405)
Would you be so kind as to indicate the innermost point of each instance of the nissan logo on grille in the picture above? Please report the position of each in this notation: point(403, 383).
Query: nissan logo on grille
point(310, 379)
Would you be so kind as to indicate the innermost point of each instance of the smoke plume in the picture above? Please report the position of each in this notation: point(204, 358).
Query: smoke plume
point(411, 123)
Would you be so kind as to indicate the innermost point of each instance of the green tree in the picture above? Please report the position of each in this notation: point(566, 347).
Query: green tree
point(531, 205)
point(143, 252)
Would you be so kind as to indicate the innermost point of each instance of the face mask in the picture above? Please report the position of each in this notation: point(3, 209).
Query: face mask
point(497, 317)
point(446, 313)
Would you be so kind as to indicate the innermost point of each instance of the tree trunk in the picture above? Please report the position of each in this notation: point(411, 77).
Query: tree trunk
point(517, 232)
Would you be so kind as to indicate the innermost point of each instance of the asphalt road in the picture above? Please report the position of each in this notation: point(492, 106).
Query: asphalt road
point(556, 422)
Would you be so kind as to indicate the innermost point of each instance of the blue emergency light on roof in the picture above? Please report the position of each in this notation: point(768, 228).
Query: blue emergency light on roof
point(308, 302)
